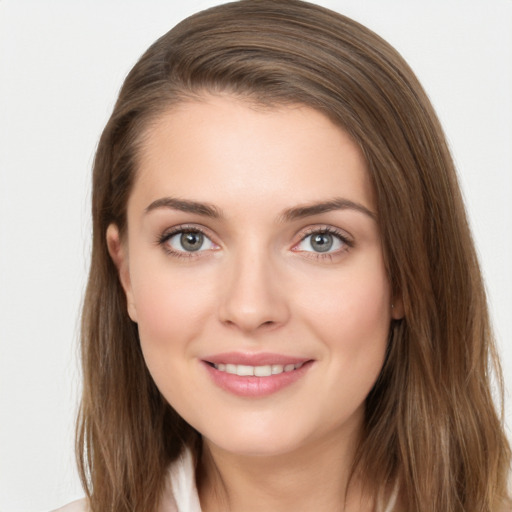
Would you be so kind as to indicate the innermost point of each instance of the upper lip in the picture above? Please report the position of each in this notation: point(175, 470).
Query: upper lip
point(254, 359)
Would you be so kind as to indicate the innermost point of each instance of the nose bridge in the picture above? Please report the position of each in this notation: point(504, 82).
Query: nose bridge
point(252, 296)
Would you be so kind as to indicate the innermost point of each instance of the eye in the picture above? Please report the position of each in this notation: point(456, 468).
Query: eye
point(323, 241)
point(186, 240)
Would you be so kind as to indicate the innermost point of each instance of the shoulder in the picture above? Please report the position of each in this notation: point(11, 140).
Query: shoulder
point(180, 491)
point(74, 506)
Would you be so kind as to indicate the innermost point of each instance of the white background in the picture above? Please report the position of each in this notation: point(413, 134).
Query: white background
point(61, 65)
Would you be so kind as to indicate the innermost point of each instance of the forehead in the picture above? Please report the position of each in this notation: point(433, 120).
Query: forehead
point(228, 150)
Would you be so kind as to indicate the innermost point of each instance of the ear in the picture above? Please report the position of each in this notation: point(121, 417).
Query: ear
point(118, 253)
point(397, 307)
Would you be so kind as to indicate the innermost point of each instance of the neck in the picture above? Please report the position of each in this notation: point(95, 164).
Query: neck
point(314, 477)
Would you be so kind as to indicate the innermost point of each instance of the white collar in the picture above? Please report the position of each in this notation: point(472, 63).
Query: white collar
point(182, 476)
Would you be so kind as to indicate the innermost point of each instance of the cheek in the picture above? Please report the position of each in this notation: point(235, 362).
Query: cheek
point(351, 315)
point(172, 314)
point(172, 307)
point(353, 307)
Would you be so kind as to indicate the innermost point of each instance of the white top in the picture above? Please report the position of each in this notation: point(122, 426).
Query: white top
point(180, 494)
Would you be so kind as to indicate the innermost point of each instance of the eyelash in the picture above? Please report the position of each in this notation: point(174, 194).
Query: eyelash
point(327, 230)
point(182, 229)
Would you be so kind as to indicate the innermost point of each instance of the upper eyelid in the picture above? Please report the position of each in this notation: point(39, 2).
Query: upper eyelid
point(325, 229)
point(183, 228)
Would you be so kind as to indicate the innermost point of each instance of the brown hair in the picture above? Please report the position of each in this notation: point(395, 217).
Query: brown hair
point(430, 419)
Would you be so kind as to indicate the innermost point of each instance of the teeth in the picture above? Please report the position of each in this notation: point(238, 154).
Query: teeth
point(277, 368)
point(244, 371)
point(262, 371)
point(258, 371)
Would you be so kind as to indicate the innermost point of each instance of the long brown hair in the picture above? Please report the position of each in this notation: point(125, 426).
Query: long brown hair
point(431, 423)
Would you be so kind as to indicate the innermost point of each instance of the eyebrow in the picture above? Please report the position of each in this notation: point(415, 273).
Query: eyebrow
point(295, 213)
point(184, 205)
point(337, 203)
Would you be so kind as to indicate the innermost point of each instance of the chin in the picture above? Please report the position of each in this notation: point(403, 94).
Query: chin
point(259, 438)
point(263, 446)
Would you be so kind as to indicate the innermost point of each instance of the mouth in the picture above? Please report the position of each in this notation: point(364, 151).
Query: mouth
point(268, 373)
point(243, 370)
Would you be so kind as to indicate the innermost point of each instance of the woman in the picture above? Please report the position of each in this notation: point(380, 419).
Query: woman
point(284, 309)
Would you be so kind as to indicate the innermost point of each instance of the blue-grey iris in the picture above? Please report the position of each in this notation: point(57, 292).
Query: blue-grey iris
point(192, 241)
point(322, 242)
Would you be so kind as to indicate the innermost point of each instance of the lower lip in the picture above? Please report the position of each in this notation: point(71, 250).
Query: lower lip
point(256, 386)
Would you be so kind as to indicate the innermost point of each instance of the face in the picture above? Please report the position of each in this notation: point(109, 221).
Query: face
point(254, 270)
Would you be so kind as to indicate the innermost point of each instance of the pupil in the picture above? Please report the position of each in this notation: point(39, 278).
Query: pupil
point(191, 241)
point(322, 242)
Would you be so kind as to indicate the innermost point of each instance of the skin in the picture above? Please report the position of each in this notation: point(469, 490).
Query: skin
point(257, 284)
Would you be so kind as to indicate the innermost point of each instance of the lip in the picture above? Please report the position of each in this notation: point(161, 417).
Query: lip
point(254, 359)
point(250, 386)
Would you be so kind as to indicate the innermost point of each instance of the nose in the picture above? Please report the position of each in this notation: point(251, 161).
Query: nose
point(254, 296)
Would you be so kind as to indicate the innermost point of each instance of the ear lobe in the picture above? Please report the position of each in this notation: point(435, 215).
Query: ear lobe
point(397, 308)
point(118, 253)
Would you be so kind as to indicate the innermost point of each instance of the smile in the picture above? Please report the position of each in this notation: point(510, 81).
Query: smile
point(243, 370)
point(268, 373)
